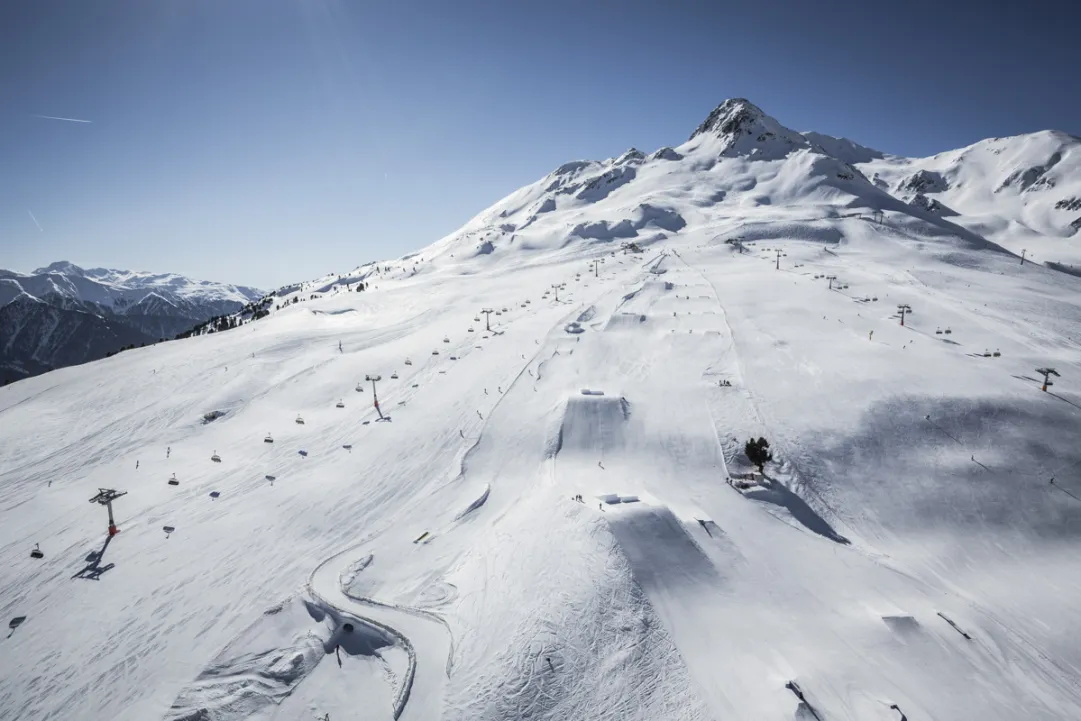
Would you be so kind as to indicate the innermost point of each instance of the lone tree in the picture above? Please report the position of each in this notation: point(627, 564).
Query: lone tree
point(758, 452)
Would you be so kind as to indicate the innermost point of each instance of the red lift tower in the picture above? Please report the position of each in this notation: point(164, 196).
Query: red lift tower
point(105, 497)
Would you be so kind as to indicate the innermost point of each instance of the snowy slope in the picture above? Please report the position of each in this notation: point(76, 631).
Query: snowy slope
point(872, 572)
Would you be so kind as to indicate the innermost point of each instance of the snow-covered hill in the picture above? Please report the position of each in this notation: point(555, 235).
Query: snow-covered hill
point(63, 314)
point(550, 514)
point(1023, 192)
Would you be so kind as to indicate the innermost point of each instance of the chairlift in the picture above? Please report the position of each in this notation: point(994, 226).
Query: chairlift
point(303, 453)
point(300, 421)
point(996, 354)
point(172, 481)
point(215, 494)
point(416, 385)
point(168, 530)
point(938, 331)
point(470, 329)
point(268, 439)
point(216, 458)
point(340, 404)
point(435, 352)
point(16, 622)
point(270, 478)
point(476, 319)
point(394, 375)
point(408, 362)
point(446, 339)
point(36, 553)
point(947, 331)
point(454, 357)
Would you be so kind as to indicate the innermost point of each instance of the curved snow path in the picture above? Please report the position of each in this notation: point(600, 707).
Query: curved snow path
point(425, 639)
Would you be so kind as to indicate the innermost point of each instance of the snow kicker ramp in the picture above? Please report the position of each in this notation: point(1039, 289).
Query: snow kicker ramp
point(593, 423)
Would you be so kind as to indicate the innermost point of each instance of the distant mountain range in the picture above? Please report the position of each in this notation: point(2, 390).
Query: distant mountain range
point(62, 314)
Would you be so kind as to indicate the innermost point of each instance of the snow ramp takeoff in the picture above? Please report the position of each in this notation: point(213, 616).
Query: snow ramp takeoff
point(593, 424)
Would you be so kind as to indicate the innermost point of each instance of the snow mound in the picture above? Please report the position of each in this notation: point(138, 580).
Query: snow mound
point(606, 183)
point(924, 181)
point(644, 216)
point(665, 153)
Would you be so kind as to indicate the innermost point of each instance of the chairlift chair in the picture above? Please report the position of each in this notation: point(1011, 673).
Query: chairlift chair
point(340, 404)
point(36, 553)
point(268, 439)
point(360, 389)
point(216, 458)
point(299, 421)
point(172, 481)
point(435, 352)
point(446, 339)
point(394, 375)
point(408, 362)
point(470, 329)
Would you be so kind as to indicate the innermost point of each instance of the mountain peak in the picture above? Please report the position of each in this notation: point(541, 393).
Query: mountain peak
point(742, 129)
point(730, 117)
point(62, 267)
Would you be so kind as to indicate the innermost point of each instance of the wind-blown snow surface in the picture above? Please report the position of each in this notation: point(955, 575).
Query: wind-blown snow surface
point(874, 569)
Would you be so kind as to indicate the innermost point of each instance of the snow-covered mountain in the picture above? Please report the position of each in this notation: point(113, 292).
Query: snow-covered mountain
point(507, 476)
point(62, 314)
point(1022, 192)
point(1014, 193)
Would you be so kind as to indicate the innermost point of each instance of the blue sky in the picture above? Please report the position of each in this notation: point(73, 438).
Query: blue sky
point(266, 141)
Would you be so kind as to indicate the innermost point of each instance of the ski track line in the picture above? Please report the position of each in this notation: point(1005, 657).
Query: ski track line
point(802, 488)
point(325, 586)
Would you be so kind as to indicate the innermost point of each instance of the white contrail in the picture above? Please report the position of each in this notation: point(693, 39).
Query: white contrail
point(35, 220)
point(70, 120)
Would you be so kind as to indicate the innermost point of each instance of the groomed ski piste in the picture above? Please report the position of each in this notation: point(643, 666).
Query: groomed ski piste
point(555, 518)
